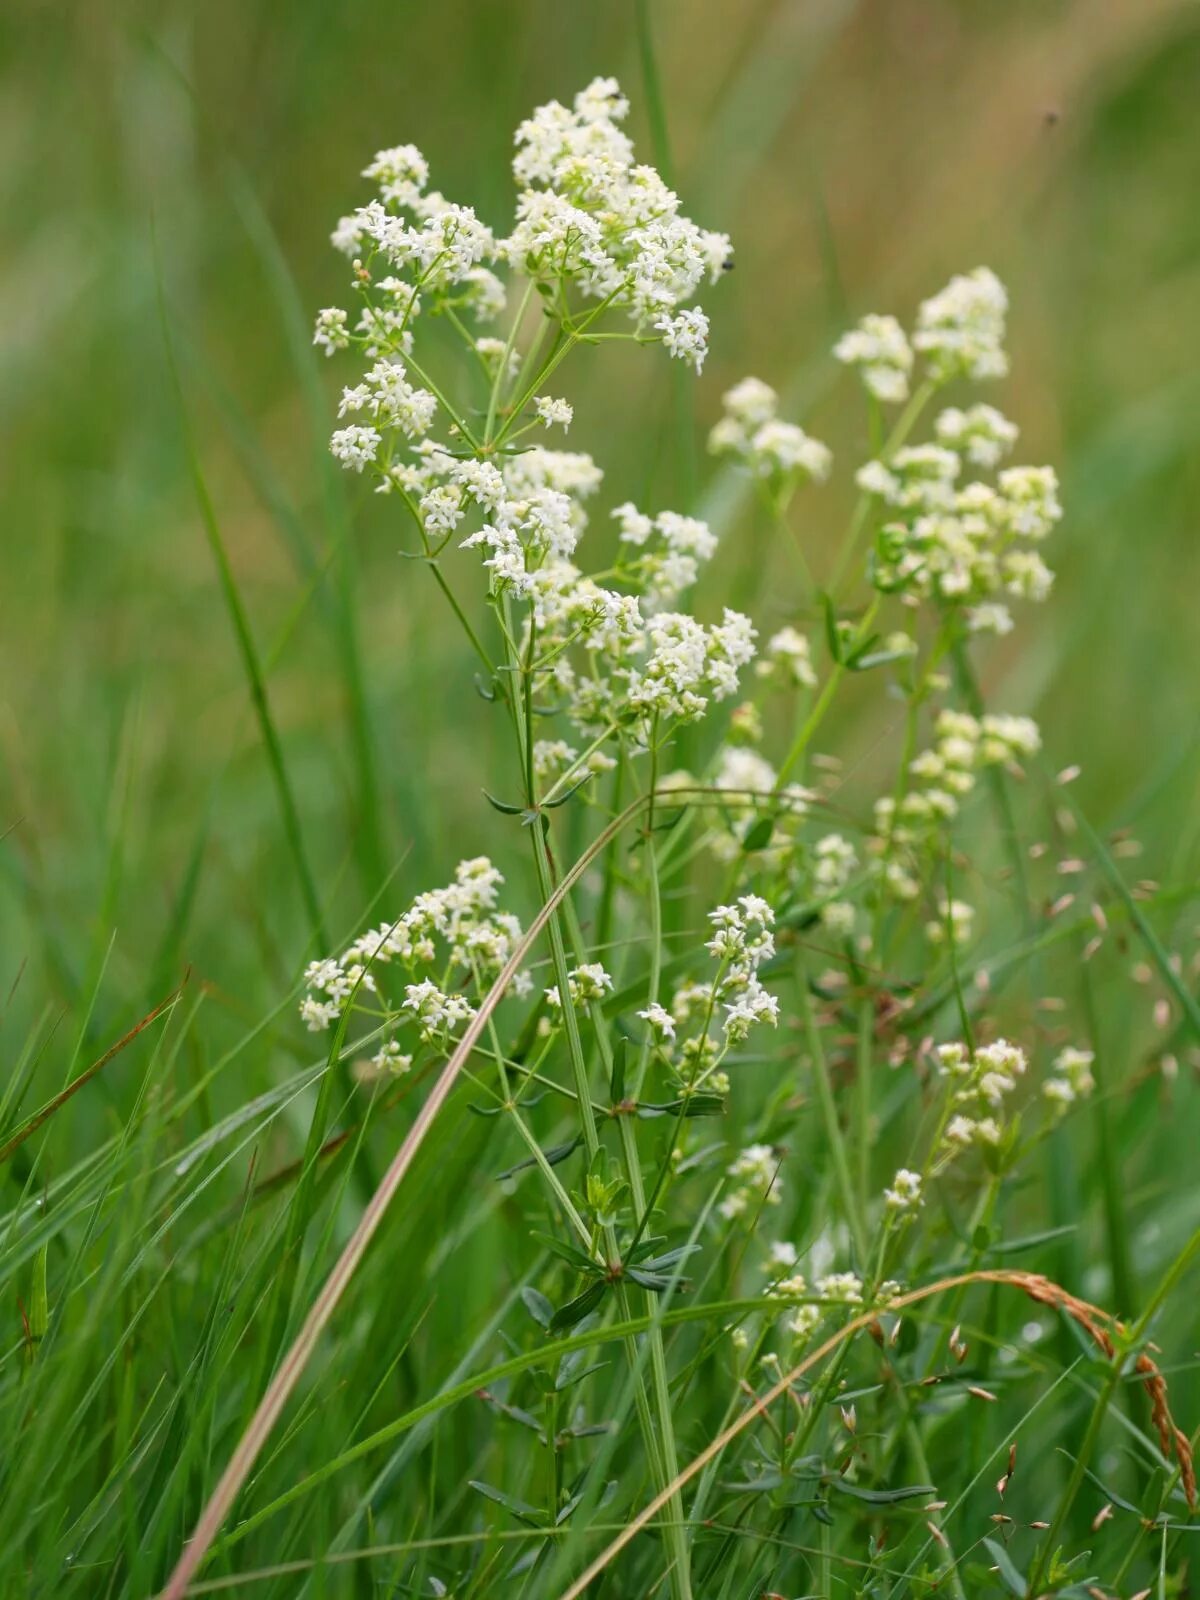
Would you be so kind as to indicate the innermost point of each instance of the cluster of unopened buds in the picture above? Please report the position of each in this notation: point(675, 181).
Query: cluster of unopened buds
point(909, 828)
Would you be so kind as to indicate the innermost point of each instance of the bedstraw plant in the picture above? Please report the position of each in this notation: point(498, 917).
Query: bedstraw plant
point(742, 937)
point(722, 1018)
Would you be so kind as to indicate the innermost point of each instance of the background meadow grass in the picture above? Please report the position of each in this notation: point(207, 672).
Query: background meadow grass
point(858, 154)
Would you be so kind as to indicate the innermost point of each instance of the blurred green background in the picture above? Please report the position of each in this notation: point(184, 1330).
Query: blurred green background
point(858, 154)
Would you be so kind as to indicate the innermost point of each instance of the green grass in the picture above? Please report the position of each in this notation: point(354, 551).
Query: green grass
point(234, 726)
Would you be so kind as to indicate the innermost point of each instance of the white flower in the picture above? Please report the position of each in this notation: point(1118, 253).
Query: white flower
point(785, 448)
point(355, 447)
point(685, 335)
point(882, 354)
point(391, 1059)
point(753, 1006)
point(493, 351)
point(1028, 507)
point(397, 168)
point(587, 982)
point(905, 1192)
point(485, 294)
point(990, 617)
point(840, 918)
point(331, 333)
point(554, 413)
point(770, 447)
point(789, 654)
point(958, 914)
point(982, 435)
point(635, 526)
point(437, 1013)
point(660, 1019)
point(552, 757)
point(317, 1015)
point(756, 1172)
point(1073, 1078)
point(835, 860)
point(590, 982)
point(750, 402)
point(804, 1322)
point(960, 331)
point(845, 1286)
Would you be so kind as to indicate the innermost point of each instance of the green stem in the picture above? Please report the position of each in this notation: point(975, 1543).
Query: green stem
point(905, 423)
point(833, 1130)
point(676, 1536)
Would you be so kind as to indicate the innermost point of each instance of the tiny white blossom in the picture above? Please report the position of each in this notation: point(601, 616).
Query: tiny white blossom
point(331, 332)
point(685, 336)
point(879, 349)
point(660, 1019)
point(960, 331)
point(845, 1286)
point(355, 447)
point(905, 1192)
point(554, 413)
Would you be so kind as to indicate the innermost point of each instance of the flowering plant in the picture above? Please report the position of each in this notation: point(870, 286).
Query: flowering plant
point(749, 942)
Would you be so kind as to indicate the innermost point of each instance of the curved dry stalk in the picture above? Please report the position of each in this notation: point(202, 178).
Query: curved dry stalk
point(294, 1362)
point(1092, 1319)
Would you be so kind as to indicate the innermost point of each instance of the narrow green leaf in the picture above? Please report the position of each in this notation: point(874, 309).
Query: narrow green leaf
point(575, 1310)
point(503, 805)
point(1004, 1566)
point(616, 1080)
point(881, 1497)
point(759, 836)
point(537, 1305)
point(520, 1509)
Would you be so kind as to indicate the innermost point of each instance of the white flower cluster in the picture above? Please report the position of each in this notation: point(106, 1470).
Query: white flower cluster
point(969, 543)
point(960, 331)
point(845, 1289)
point(905, 1192)
point(589, 215)
point(457, 927)
point(554, 413)
point(744, 773)
point(394, 406)
point(788, 658)
point(587, 982)
point(954, 917)
point(834, 860)
point(942, 776)
point(770, 447)
point(1072, 1078)
point(741, 942)
point(879, 348)
point(687, 663)
point(670, 550)
point(981, 1082)
point(705, 1020)
point(755, 1172)
point(981, 435)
